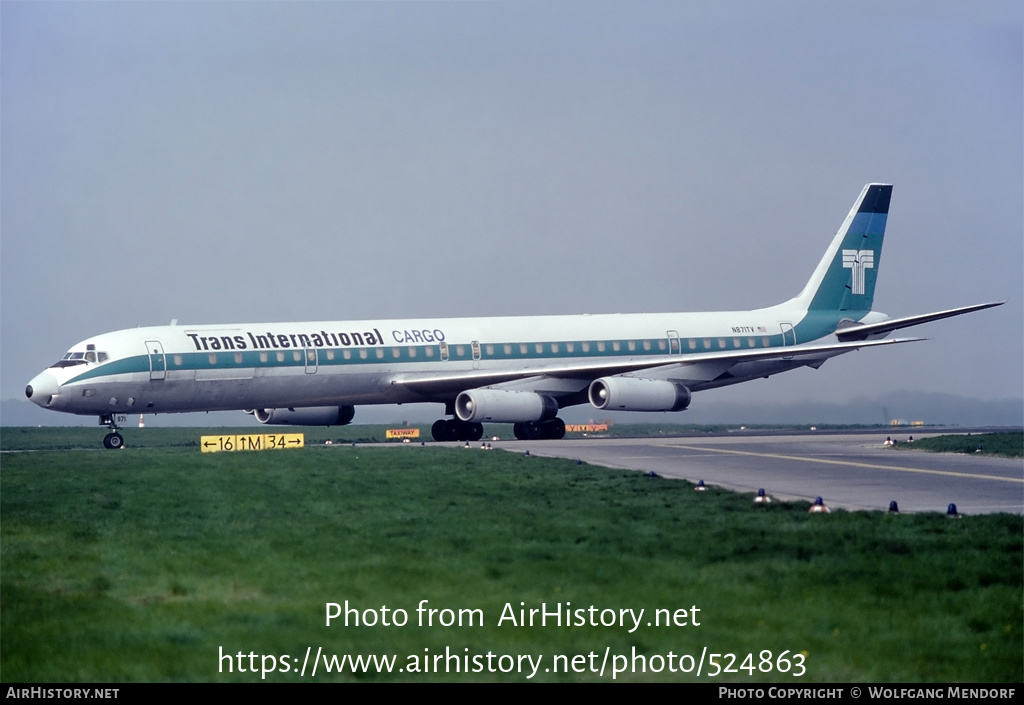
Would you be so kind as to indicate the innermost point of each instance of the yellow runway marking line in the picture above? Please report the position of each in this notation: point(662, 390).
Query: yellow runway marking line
point(849, 463)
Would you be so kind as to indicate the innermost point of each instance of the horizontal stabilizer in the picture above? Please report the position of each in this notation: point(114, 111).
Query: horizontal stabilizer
point(862, 332)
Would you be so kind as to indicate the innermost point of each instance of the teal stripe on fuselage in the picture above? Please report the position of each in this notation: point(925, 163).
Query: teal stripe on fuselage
point(812, 326)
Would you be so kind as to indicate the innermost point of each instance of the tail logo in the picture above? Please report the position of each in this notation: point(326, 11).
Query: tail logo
point(858, 261)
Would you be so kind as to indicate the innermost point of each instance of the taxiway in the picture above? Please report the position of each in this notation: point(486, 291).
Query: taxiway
point(851, 471)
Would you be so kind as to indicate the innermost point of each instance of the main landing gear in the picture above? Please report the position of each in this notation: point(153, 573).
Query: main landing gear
point(456, 430)
point(553, 429)
point(113, 440)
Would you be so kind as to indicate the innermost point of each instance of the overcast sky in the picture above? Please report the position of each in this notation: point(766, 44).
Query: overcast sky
point(245, 162)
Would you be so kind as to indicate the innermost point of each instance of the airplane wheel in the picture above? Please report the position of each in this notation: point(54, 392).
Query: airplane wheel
point(456, 430)
point(475, 431)
point(527, 431)
point(113, 441)
point(447, 430)
point(438, 430)
point(553, 429)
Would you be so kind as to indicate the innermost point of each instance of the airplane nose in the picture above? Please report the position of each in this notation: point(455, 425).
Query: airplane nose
point(42, 389)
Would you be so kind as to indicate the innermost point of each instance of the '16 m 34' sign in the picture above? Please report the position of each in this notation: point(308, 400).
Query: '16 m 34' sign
point(255, 441)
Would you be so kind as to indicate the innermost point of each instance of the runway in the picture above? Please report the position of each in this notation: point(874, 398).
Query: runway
point(853, 471)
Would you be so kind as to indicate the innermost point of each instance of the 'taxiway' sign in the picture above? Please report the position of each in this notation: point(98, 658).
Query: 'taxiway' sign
point(402, 433)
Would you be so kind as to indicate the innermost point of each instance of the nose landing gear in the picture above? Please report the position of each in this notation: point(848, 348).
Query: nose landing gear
point(113, 440)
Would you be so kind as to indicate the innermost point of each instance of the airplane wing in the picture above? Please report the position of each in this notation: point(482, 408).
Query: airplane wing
point(578, 374)
point(861, 332)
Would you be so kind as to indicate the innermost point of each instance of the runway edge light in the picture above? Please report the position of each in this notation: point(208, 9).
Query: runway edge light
point(818, 507)
point(700, 486)
point(762, 497)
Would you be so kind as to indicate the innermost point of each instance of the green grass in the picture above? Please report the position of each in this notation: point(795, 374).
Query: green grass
point(1005, 445)
point(140, 565)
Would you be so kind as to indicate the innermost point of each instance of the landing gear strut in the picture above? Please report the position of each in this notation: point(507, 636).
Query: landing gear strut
point(112, 440)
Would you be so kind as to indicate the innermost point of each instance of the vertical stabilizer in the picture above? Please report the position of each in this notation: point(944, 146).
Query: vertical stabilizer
point(845, 277)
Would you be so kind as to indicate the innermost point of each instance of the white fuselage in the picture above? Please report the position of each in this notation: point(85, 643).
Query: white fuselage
point(245, 366)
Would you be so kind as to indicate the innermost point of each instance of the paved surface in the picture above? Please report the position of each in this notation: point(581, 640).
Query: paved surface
point(849, 471)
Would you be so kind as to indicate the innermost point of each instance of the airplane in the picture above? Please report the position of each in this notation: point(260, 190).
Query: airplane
point(519, 370)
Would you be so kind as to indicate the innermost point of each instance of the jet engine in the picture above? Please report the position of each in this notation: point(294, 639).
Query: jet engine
point(635, 394)
point(504, 406)
point(307, 416)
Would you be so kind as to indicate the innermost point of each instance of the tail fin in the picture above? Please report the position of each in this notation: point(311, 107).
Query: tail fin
point(844, 279)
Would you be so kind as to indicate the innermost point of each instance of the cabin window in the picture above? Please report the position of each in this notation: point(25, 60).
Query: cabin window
point(736, 342)
point(330, 354)
point(721, 342)
point(489, 350)
point(751, 343)
point(380, 353)
point(212, 357)
point(539, 348)
point(600, 346)
point(296, 356)
point(554, 347)
point(707, 343)
point(396, 353)
point(238, 358)
point(570, 347)
point(280, 355)
point(766, 342)
point(346, 354)
point(460, 351)
point(616, 345)
point(428, 351)
point(508, 348)
point(263, 356)
point(647, 345)
point(692, 343)
point(177, 360)
point(412, 351)
point(363, 353)
point(631, 345)
point(585, 346)
point(523, 349)
point(662, 345)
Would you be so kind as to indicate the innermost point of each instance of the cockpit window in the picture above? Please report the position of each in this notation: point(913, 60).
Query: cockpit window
point(80, 358)
point(67, 362)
